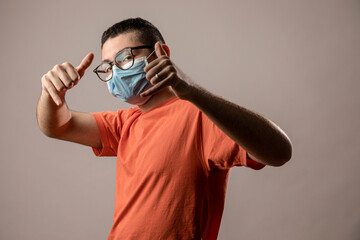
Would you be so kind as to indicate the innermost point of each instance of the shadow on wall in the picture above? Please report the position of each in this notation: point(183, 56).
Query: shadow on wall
point(355, 234)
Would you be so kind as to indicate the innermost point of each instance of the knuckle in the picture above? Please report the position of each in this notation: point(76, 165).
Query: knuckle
point(43, 78)
point(65, 85)
point(163, 64)
point(67, 64)
point(74, 77)
point(69, 84)
point(167, 60)
point(57, 67)
point(168, 68)
point(172, 75)
point(60, 88)
point(50, 73)
point(163, 58)
point(164, 61)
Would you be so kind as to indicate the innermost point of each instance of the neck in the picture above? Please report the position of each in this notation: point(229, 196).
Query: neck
point(157, 99)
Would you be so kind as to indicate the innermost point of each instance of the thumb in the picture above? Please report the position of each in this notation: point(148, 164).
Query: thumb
point(159, 50)
point(85, 63)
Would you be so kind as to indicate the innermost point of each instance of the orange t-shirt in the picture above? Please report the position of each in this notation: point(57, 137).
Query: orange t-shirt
point(172, 170)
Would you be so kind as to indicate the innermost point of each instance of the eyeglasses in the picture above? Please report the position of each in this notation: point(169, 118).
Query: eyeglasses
point(123, 60)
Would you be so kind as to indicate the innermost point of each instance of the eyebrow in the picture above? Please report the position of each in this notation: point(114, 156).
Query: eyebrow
point(108, 61)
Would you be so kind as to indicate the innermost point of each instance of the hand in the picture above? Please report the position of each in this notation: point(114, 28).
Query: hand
point(63, 77)
point(162, 72)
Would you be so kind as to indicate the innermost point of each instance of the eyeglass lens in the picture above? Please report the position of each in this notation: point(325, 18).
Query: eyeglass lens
point(124, 59)
point(104, 71)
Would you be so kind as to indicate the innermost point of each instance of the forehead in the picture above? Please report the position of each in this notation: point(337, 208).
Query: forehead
point(114, 45)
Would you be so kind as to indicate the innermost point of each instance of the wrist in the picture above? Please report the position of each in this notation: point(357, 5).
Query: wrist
point(46, 97)
point(193, 93)
point(185, 91)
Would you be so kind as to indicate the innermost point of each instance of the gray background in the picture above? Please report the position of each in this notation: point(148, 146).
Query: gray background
point(295, 62)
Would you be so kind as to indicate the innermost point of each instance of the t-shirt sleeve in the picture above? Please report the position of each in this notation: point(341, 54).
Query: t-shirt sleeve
point(220, 151)
point(109, 125)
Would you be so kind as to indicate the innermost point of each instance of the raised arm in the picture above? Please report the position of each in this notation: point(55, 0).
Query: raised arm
point(53, 115)
point(264, 141)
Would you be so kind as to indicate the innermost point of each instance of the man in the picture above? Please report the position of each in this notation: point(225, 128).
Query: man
point(174, 149)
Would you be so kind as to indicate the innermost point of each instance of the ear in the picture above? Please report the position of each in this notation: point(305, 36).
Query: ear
point(166, 49)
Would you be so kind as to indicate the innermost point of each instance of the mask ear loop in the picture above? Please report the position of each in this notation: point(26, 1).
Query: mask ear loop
point(149, 56)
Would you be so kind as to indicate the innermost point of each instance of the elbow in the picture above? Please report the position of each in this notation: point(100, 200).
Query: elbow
point(47, 132)
point(53, 130)
point(50, 132)
point(275, 157)
point(283, 156)
point(279, 162)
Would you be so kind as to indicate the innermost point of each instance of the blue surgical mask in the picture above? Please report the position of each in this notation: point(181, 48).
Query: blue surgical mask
point(127, 85)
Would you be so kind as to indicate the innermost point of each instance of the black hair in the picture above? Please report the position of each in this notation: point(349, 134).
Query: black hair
point(146, 32)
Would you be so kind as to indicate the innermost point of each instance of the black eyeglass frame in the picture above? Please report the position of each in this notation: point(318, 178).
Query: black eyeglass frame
point(112, 63)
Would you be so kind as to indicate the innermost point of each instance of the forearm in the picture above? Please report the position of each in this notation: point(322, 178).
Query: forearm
point(257, 135)
point(52, 119)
